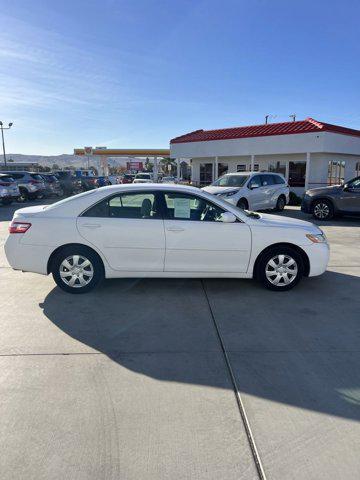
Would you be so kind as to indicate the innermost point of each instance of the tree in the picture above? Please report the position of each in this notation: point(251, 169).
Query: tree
point(55, 166)
point(148, 165)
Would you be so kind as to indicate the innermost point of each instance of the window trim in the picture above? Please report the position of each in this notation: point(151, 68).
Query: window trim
point(113, 195)
point(165, 208)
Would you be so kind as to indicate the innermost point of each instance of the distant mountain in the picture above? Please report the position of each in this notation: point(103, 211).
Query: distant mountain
point(64, 160)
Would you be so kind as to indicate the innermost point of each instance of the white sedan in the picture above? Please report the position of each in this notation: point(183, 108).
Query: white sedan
point(154, 230)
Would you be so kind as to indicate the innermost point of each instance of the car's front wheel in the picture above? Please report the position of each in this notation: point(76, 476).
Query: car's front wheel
point(322, 210)
point(77, 269)
point(280, 268)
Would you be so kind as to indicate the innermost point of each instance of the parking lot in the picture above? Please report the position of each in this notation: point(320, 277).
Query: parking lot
point(130, 381)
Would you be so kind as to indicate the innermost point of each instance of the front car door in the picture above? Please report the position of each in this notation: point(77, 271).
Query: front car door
point(255, 195)
point(196, 239)
point(268, 188)
point(350, 196)
point(128, 229)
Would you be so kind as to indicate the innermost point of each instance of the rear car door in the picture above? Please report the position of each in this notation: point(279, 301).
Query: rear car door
point(196, 241)
point(128, 229)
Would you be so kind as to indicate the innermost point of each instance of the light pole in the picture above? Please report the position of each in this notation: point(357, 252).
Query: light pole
point(3, 140)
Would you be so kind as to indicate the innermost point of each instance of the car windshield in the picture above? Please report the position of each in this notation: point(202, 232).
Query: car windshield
point(143, 175)
point(70, 199)
point(4, 178)
point(231, 181)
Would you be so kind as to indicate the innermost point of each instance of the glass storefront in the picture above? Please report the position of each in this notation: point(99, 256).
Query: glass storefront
point(297, 172)
point(206, 173)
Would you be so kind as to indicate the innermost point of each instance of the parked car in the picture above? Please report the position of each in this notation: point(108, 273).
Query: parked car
point(128, 178)
point(52, 185)
point(143, 178)
point(252, 190)
point(169, 180)
point(326, 202)
point(68, 182)
point(161, 231)
point(31, 185)
point(9, 190)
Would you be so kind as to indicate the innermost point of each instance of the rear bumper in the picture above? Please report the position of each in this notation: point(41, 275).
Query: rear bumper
point(318, 255)
point(28, 258)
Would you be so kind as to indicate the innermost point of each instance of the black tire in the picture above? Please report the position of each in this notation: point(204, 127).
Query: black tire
point(66, 254)
point(243, 204)
point(24, 195)
point(322, 210)
point(7, 201)
point(280, 204)
point(264, 270)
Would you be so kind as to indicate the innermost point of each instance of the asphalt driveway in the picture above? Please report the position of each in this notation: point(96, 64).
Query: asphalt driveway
point(130, 381)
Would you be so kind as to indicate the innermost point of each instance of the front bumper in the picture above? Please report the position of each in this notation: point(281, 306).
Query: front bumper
point(318, 254)
point(306, 204)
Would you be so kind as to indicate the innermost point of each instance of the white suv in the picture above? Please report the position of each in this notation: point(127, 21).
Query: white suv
point(143, 178)
point(252, 190)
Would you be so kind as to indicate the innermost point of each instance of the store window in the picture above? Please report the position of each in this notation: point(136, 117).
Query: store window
point(206, 173)
point(222, 169)
point(336, 172)
point(277, 167)
point(245, 168)
point(241, 167)
point(297, 172)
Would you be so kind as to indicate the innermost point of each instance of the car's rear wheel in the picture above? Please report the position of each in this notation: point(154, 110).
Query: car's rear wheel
point(322, 210)
point(280, 268)
point(77, 269)
point(280, 204)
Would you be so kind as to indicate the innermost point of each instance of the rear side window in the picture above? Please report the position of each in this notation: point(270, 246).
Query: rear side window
point(129, 205)
point(279, 180)
point(17, 176)
point(35, 176)
point(267, 180)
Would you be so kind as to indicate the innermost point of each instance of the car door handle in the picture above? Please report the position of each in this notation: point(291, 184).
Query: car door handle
point(175, 229)
point(91, 225)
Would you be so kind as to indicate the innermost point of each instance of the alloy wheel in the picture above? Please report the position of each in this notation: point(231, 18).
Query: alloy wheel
point(281, 270)
point(321, 210)
point(76, 271)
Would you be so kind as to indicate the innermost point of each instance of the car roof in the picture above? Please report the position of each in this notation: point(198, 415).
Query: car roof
point(250, 173)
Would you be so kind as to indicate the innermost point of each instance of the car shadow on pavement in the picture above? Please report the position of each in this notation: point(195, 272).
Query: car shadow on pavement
point(300, 348)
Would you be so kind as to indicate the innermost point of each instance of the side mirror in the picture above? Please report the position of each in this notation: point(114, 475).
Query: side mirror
point(228, 217)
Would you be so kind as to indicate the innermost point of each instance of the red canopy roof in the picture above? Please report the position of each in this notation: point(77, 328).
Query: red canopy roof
point(285, 128)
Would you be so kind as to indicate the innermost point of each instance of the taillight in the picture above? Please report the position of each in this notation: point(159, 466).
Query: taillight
point(19, 227)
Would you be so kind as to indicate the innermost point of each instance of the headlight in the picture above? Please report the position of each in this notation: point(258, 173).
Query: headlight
point(317, 238)
point(229, 194)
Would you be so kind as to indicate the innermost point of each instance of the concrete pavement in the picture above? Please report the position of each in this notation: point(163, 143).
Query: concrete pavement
point(130, 382)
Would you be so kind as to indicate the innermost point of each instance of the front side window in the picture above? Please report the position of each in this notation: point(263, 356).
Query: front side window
point(139, 205)
point(231, 181)
point(279, 180)
point(354, 183)
point(181, 206)
point(255, 182)
point(267, 180)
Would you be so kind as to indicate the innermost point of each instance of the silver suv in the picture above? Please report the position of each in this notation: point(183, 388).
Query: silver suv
point(31, 185)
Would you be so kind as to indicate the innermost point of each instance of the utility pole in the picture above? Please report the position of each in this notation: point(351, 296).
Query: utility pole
point(266, 119)
point(3, 140)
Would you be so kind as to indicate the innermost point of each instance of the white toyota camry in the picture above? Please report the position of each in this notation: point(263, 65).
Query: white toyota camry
point(154, 230)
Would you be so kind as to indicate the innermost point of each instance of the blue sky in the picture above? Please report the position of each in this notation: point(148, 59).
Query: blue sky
point(137, 73)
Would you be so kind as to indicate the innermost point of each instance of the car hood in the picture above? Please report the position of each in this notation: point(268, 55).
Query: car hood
point(29, 211)
point(219, 190)
point(268, 220)
point(325, 190)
